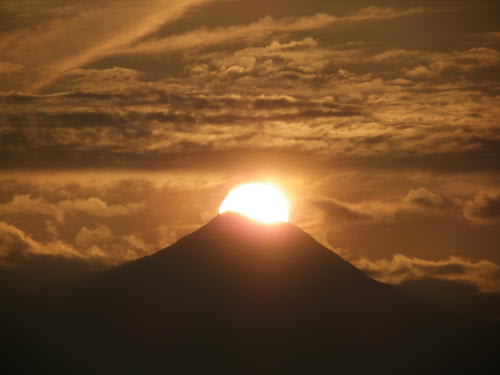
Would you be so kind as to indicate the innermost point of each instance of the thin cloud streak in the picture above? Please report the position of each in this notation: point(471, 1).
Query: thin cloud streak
point(96, 32)
point(263, 28)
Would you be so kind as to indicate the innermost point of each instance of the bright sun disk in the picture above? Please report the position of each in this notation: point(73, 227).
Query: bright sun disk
point(257, 201)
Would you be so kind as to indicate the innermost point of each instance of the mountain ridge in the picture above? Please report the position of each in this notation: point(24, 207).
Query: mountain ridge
point(237, 296)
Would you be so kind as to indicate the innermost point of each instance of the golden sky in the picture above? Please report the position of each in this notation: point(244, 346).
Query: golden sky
point(123, 124)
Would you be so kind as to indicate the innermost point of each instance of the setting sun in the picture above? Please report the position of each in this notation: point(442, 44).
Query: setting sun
point(261, 202)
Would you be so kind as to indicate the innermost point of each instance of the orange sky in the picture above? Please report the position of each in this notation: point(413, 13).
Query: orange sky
point(123, 126)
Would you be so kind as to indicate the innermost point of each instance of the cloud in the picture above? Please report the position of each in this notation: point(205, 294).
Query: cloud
point(16, 246)
point(27, 264)
point(87, 237)
point(97, 207)
point(417, 203)
point(99, 28)
point(428, 64)
point(424, 198)
point(115, 217)
point(103, 218)
point(8, 67)
point(420, 71)
point(394, 135)
point(350, 102)
point(14, 242)
point(482, 273)
point(250, 33)
point(109, 79)
point(337, 210)
point(97, 245)
point(375, 13)
point(25, 204)
point(359, 118)
point(262, 29)
point(483, 209)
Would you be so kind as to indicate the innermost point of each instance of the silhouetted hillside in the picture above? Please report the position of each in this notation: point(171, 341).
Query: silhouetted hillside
point(240, 297)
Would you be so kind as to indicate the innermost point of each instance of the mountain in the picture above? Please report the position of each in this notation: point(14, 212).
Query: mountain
point(240, 297)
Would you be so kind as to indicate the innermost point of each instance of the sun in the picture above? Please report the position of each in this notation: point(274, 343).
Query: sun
point(257, 201)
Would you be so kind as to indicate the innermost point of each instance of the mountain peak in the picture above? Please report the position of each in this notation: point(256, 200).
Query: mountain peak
point(238, 296)
point(232, 224)
point(235, 233)
point(230, 244)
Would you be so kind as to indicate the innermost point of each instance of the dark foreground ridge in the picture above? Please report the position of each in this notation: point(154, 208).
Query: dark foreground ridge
point(238, 297)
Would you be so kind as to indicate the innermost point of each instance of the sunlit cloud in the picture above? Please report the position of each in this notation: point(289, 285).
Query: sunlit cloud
point(99, 29)
point(399, 268)
point(263, 28)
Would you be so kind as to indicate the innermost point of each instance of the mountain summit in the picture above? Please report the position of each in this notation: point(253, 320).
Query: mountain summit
point(240, 297)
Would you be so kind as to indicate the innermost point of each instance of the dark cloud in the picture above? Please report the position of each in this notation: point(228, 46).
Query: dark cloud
point(484, 208)
point(213, 123)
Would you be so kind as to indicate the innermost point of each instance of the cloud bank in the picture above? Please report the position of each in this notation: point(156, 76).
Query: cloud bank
point(123, 124)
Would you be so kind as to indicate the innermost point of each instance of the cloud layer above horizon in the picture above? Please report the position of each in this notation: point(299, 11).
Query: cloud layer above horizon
point(379, 118)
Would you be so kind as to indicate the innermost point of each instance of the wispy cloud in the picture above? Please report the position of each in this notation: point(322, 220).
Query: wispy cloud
point(62, 43)
point(482, 273)
point(262, 29)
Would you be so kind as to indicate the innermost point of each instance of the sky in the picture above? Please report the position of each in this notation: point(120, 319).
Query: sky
point(123, 125)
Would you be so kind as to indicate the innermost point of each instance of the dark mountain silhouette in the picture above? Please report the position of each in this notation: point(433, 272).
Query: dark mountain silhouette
point(240, 297)
point(463, 298)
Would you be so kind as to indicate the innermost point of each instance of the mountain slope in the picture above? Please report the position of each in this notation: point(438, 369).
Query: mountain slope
point(236, 296)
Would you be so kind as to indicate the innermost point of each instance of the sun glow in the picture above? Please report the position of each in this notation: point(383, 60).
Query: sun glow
point(261, 202)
